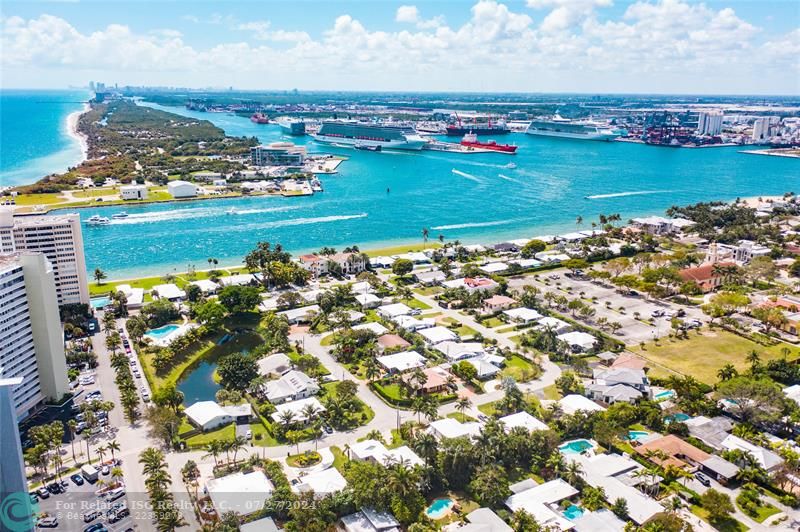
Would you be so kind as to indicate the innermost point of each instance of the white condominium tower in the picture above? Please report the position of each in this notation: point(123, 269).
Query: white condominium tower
point(59, 237)
point(31, 339)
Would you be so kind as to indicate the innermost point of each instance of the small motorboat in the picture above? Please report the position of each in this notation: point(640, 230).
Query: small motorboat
point(119, 215)
point(97, 220)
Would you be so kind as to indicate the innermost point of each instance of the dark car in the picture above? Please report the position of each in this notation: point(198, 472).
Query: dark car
point(119, 515)
point(55, 488)
point(77, 479)
point(97, 527)
point(702, 479)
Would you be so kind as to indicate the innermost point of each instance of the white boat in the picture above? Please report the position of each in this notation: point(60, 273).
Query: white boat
point(97, 220)
point(570, 129)
point(119, 215)
point(232, 210)
point(368, 135)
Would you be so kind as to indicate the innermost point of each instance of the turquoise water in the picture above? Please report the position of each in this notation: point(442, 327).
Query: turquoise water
point(573, 512)
point(575, 447)
point(162, 332)
point(33, 133)
point(679, 417)
point(638, 435)
point(439, 508)
point(100, 302)
point(472, 198)
point(666, 394)
point(199, 385)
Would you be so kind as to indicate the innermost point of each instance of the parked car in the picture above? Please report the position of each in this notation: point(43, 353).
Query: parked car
point(77, 479)
point(249, 434)
point(55, 488)
point(702, 479)
point(97, 527)
point(47, 522)
point(88, 517)
point(119, 515)
point(43, 493)
point(105, 470)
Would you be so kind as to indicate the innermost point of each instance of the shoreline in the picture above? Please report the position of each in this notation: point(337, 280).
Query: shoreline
point(72, 130)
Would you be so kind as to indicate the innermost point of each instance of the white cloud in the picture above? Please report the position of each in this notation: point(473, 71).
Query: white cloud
point(652, 46)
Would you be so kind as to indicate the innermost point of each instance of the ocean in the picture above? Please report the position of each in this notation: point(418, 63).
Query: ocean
point(387, 198)
point(34, 140)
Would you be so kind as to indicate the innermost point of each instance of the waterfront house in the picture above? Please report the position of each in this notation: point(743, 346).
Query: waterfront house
point(208, 415)
point(276, 364)
point(400, 362)
point(181, 189)
point(315, 264)
point(240, 279)
point(133, 296)
point(291, 386)
point(242, 493)
point(658, 225)
point(168, 291)
point(133, 192)
point(206, 286)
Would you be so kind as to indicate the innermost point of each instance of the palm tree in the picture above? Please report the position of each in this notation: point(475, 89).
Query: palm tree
point(99, 275)
point(425, 445)
point(376, 435)
point(116, 473)
point(309, 412)
point(152, 460)
point(572, 473)
point(101, 451)
point(112, 446)
point(72, 425)
point(237, 444)
point(462, 404)
point(727, 372)
point(286, 418)
point(371, 369)
point(754, 359)
point(213, 449)
point(556, 464)
point(424, 236)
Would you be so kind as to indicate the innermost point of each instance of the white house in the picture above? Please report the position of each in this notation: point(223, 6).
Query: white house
point(767, 459)
point(556, 325)
point(321, 482)
point(452, 428)
point(575, 403)
point(206, 286)
point(134, 296)
point(181, 189)
point(207, 415)
point(168, 291)
point(524, 420)
point(133, 192)
point(410, 323)
point(522, 315)
point(292, 386)
point(540, 500)
point(472, 284)
point(437, 335)
point(455, 351)
point(276, 364)
point(400, 362)
point(493, 267)
point(241, 493)
point(372, 326)
point(297, 408)
point(370, 520)
point(368, 300)
point(301, 314)
point(394, 310)
point(377, 452)
point(578, 341)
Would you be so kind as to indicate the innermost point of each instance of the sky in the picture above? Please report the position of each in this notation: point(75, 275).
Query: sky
point(611, 46)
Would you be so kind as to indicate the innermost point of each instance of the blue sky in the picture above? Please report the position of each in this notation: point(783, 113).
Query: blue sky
point(521, 45)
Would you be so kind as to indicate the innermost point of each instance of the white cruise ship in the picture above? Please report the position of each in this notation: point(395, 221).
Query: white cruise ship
point(570, 129)
point(365, 134)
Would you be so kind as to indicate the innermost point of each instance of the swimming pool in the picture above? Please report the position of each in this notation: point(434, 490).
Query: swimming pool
point(573, 512)
point(663, 395)
point(439, 508)
point(162, 332)
point(100, 302)
point(680, 417)
point(576, 446)
point(638, 435)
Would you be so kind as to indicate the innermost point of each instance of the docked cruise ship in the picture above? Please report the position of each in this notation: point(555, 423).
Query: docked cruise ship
point(570, 129)
point(367, 134)
point(292, 126)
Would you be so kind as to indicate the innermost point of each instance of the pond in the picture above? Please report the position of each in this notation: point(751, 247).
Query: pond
point(198, 383)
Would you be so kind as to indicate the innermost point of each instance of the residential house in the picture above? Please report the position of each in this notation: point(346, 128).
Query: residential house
point(576, 403)
point(482, 520)
point(322, 483)
point(206, 286)
point(556, 325)
point(523, 420)
point(300, 314)
point(542, 502)
point(683, 454)
point(711, 431)
point(276, 364)
point(430, 278)
point(168, 291)
point(375, 451)
point(369, 520)
point(455, 351)
point(492, 268)
point(410, 323)
point(436, 380)
point(438, 334)
point(400, 362)
point(486, 365)
point(394, 310)
point(242, 493)
point(767, 459)
point(522, 315)
point(297, 408)
point(496, 303)
point(391, 342)
point(472, 284)
point(372, 326)
point(451, 428)
point(368, 300)
point(291, 386)
point(578, 341)
point(618, 384)
point(208, 415)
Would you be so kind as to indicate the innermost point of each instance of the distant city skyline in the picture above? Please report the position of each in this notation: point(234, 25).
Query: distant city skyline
point(604, 46)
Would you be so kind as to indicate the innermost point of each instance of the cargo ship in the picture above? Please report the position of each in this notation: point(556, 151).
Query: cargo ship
point(471, 140)
point(364, 134)
point(489, 128)
point(259, 118)
point(570, 129)
point(292, 126)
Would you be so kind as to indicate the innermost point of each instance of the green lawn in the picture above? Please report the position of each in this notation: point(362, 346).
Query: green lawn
point(399, 250)
point(461, 418)
point(507, 329)
point(416, 303)
point(94, 192)
point(327, 340)
point(39, 199)
point(392, 390)
point(764, 511)
point(363, 407)
point(551, 392)
point(429, 290)
point(465, 331)
point(516, 339)
point(266, 438)
point(227, 432)
point(728, 525)
point(520, 369)
point(493, 322)
point(488, 408)
point(339, 459)
point(702, 355)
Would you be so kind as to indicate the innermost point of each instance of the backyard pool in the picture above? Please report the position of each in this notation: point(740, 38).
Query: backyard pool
point(162, 332)
point(576, 446)
point(638, 435)
point(100, 302)
point(664, 395)
point(680, 417)
point(439, 508)
point(573, 512)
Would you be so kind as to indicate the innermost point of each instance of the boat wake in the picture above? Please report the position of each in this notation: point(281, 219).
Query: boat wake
point(503, 176)
point(187, 214)
point(468, 176)
point(299, 221)
point(471, 224)
point(624, 194)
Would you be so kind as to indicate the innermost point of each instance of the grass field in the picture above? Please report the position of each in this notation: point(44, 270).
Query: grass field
point(227, 432)
point(399, 250)
point(266, 439)
point(493, 322)
point(465, 331)
point(764, 511)
point(94, 192)
point(339, 459)
point(429, 290)
point(728, 525)
point(180, 279)
point(416, 303)
point(702, 355)
point(551, 392)
point(39, 199)
point(520, 369)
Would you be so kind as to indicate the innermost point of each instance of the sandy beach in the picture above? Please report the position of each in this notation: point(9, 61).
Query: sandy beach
point(72, 129)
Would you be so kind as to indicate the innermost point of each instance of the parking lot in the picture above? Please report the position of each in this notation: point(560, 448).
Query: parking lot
point(78, 501)
point(621, 308)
